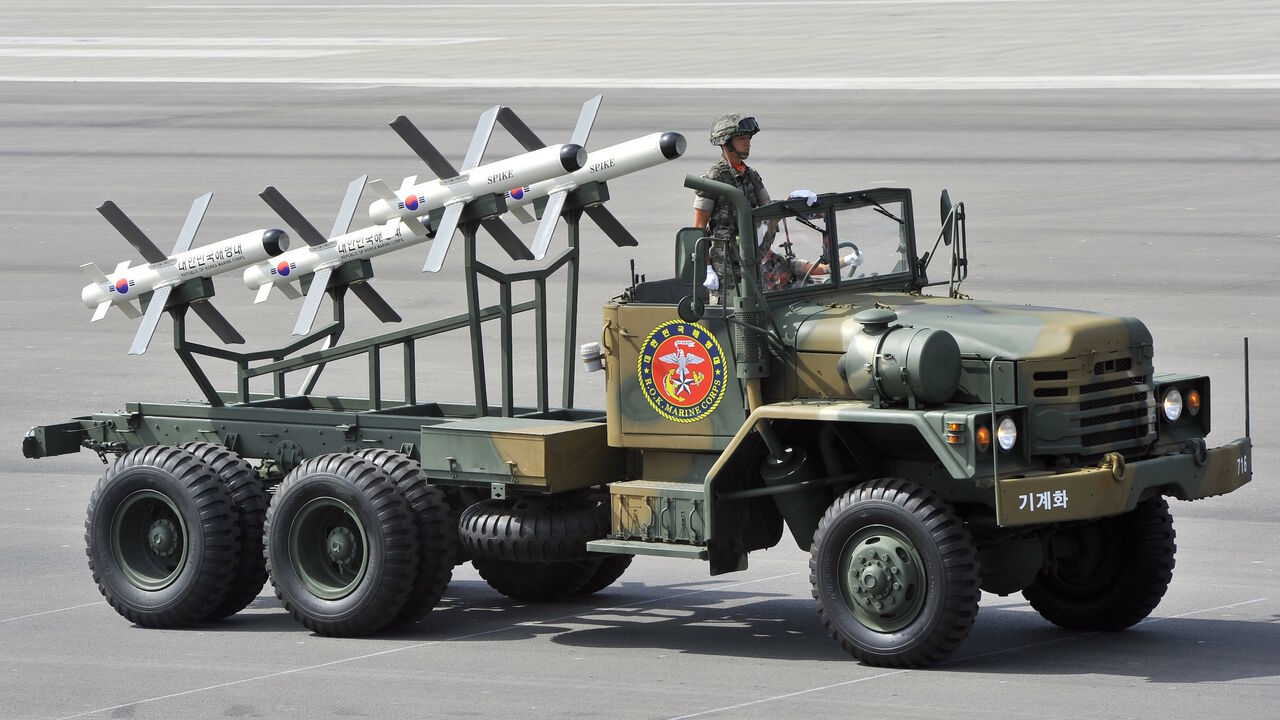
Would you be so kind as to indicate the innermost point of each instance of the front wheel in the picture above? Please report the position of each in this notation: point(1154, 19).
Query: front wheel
point(1110, 574)
point(895, 574)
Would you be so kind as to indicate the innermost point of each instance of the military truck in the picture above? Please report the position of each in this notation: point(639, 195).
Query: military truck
point(920, 445)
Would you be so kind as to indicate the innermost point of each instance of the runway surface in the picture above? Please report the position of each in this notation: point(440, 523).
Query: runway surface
point(1122, 159)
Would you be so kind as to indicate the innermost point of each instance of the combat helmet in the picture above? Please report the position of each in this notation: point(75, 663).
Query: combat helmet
point(726, 126)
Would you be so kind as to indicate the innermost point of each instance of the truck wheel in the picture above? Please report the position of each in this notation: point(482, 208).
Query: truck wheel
point(1110, 574)
point(342, 548)
point(611, 568)
point(895, 574)
point(250, 500)
point(537, 581)
point(162, 537)
point(437, 541)
point(533, 529)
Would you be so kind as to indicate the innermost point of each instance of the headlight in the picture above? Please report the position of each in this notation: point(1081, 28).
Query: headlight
point(1172, 405)
point(1006, 433)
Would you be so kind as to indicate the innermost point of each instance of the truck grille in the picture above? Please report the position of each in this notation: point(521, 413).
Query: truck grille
point(1090, 407)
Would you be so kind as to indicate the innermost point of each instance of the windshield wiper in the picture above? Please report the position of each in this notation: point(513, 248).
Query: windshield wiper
point(880, 208)
point(804, 220)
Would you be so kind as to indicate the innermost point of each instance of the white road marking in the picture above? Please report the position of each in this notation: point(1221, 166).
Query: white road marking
point(1029, 82)
point(194, 53)
point(187, 42)
point(50, 612)
point(956, 660)
point(672, 4)
point(415, 646)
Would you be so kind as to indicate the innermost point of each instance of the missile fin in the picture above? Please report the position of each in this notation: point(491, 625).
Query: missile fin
point(521, 132)
point(218, 323)
point(480, 140)
point(311, 306)
point(120, 267)
point(611, 226)
point(294, 219)
point(370, 297)
point(94, 273)
point(191, 226)
point(382, 191)
point(444, 234)
point(149, 321)
point(407, 184)
point(423, 148)
point(288, 291)
point(586, 119)
point(414, 224)
point(342, 223)
point(101, 311)
point(129, 310)
point(506, 238)
point(521, 214)
point(131, 232)
point(264, 292)
point(547, 228)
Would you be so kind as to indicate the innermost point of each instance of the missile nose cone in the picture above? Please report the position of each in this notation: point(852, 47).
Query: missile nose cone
point(275, 241)
point(672, 145)
point(573, 157)
point(90, 296)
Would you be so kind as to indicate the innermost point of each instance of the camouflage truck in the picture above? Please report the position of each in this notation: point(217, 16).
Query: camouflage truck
point(920, 447)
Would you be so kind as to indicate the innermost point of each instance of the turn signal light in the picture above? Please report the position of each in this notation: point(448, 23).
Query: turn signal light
point(983, 438)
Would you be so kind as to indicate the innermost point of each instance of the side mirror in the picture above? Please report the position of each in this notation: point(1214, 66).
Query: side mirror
point(694, 272)
point(946, 217)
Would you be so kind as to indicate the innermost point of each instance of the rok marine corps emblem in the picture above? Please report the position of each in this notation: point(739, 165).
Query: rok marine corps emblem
point(682, 371)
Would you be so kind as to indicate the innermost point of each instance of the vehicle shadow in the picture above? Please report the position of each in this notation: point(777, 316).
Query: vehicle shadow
point(696, 618)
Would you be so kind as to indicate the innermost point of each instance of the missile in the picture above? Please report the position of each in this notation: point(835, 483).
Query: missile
point(125, 284)
point(356, 245)
point(453, 193)
point(605, 164)
point(165, 272)
point(495, 177)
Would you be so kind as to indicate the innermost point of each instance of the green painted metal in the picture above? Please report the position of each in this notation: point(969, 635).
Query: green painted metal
point(329, 548)
point(882, 578)
point(149, 540)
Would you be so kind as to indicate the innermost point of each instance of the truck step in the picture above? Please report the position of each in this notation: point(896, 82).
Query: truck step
point(640, 547)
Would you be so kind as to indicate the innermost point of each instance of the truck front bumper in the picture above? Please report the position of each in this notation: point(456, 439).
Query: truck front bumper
point(1116, 486)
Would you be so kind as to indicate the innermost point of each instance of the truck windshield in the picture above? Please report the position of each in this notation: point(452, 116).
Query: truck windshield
point(868, 241)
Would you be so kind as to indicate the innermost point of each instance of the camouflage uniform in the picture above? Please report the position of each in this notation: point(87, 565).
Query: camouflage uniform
point(723, 224)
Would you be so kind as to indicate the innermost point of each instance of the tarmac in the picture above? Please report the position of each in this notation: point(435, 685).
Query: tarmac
point(1123, 158)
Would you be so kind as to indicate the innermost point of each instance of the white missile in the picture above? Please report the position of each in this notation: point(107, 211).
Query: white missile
point(357, 245)
point(605, 164)
point(125, 284)
point(495, 177)
point(454, 193)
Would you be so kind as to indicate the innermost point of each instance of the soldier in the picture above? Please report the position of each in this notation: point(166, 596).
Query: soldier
point(732, 133)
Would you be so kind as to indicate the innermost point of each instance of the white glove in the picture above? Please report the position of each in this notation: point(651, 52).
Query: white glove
point(810, 199)
point(712, 281)
point(852, 260)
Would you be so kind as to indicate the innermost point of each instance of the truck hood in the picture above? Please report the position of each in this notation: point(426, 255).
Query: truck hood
point(1013, 332)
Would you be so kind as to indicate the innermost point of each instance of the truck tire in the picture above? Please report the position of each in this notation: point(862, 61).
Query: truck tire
point(895, 574)
point(1116, 573)
point(437, 541)
point(538, 582)
point(533, 529)
point(162, 537)
point(611, 568)
point(250, 500)
point(342, 547)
